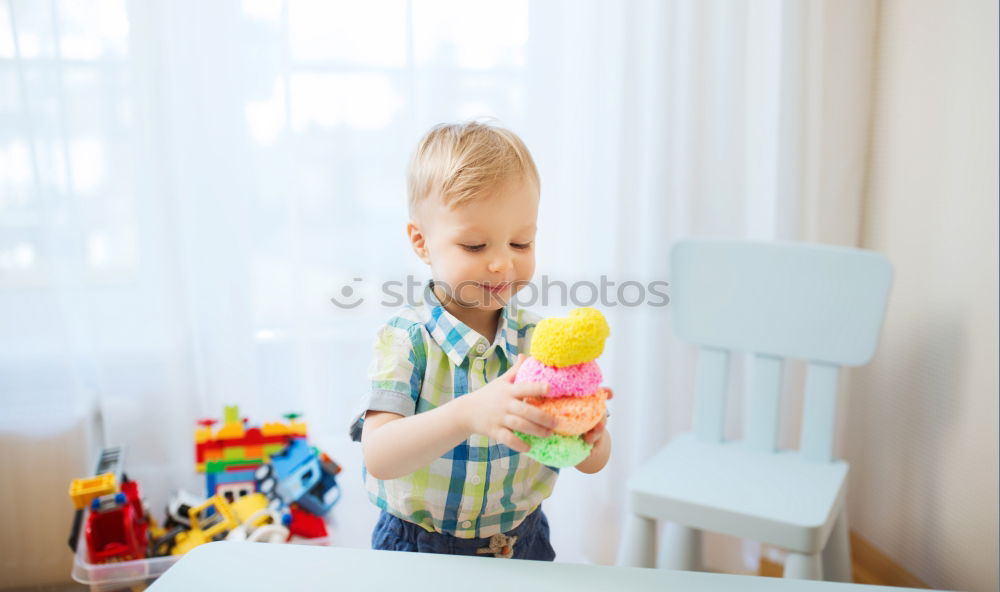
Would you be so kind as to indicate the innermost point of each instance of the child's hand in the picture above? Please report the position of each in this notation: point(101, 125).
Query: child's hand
point(497, 410)
point(597, 432)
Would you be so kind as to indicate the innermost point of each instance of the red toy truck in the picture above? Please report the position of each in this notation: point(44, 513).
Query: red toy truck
point(116, 526)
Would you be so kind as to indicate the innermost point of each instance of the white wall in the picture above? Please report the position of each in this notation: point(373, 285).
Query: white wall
point(921, 428)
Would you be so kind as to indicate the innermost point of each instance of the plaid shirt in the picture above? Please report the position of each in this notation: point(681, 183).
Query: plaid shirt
point(424, 358)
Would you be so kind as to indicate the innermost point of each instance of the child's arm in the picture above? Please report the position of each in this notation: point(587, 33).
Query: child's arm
point(394, 445)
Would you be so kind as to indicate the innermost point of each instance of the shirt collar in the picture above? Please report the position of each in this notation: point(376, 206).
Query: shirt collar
point(457, 339)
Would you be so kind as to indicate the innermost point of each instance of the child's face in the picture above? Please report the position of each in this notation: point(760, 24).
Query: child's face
point(483, 251)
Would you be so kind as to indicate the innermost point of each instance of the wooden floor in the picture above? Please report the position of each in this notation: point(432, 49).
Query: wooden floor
point(869, 566)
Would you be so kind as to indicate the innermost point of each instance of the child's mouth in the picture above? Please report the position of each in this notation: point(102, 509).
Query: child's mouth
point(495, 288)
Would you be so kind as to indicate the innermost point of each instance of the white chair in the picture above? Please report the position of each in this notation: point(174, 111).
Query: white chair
point(777, 300)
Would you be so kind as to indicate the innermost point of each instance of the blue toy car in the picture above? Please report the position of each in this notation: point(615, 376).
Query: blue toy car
point(301, 475)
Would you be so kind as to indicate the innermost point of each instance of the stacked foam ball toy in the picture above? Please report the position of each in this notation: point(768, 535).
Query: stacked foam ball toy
point(563, 354)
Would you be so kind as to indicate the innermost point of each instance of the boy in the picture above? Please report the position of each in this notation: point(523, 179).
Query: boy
point(437, 429)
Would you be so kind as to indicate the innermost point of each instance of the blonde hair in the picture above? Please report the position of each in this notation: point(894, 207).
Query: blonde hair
point(462, 161)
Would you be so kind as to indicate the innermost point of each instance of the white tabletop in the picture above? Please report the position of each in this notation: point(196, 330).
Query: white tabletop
point(270, 567)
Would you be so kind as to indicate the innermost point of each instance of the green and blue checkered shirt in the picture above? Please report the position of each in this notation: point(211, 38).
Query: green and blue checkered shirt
point(425, 357)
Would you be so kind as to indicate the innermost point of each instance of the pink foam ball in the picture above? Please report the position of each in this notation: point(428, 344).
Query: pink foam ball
point(577, 380)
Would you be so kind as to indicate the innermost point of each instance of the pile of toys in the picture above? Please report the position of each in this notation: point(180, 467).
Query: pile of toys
point(263, 484)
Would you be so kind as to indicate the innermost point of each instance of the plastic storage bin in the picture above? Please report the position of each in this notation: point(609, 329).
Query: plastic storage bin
point(122, 575)
point(134, 575)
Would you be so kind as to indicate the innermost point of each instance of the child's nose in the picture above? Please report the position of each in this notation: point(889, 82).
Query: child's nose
point(499, 263)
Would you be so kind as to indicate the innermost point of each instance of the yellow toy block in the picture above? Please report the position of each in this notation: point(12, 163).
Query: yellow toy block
point(155, 530)
point(82, 491)
point(274, 428)
point(232, 425)
point(230, 430)
point(248, 505)
point(202, 434)
point(205, 527)
point(213, 524)
point(297, 428)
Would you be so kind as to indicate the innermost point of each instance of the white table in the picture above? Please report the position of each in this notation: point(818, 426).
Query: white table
point(269, 568)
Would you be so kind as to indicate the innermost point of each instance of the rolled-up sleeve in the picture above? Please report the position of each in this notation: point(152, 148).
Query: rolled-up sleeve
point(395, 372)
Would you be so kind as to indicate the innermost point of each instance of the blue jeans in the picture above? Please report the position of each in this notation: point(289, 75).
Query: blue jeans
point(395, 534)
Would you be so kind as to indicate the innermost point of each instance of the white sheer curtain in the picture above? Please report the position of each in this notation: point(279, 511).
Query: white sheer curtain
point(184, 185)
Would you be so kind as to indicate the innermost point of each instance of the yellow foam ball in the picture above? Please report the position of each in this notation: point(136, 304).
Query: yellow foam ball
point(575, 339)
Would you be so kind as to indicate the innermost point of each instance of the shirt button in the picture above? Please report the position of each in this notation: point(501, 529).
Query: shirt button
point(467, 524)
point(475, 479)
point(480, 348)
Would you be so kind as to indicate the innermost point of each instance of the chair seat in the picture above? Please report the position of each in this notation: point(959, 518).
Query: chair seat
point(778, 499)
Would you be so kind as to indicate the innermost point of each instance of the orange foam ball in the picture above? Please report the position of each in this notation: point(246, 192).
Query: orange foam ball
point(576, 415)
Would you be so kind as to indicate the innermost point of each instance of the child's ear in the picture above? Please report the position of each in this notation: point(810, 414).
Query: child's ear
point(417, 241)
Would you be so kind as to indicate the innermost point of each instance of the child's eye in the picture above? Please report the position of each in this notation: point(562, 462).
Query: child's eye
point(473, 248)
point(521, 246)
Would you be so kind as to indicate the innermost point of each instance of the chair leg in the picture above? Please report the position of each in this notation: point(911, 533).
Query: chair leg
point(837, 553)
point(804, 567)
point(638, 548)
point(681, 547)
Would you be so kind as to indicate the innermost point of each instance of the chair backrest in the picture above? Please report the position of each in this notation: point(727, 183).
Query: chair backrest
point(776, 300)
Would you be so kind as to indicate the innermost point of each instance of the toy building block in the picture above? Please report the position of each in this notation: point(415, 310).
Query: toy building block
point(292, 427)
point(251, 506)
point(296, 475)
point(179, 509)
point(322, 496)
point(105, 479)
point(231, 484)
point(304, 524)
point(204, 431)
point(230, 455)
point(116, 528)
point(235, 444)
point(155, 530)
point(82, 491)
point(232, 426)
point(210, 521)
point(329, 464)
point(289, 474)
point(214, 518)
